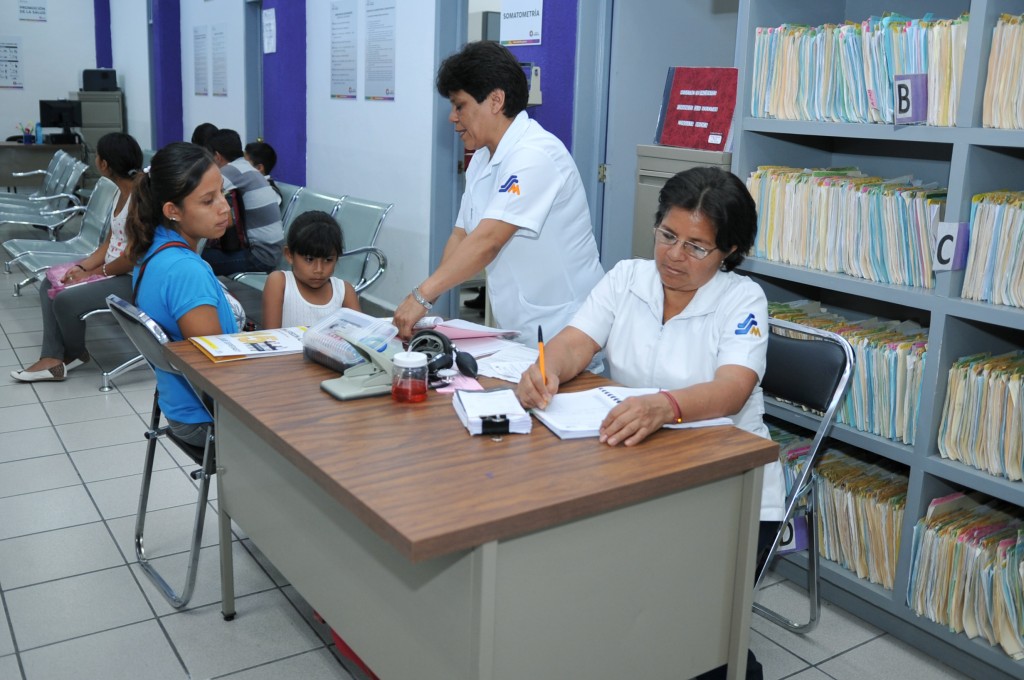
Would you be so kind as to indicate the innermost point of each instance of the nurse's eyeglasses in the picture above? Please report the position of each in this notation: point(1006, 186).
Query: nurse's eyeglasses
point(665, 237)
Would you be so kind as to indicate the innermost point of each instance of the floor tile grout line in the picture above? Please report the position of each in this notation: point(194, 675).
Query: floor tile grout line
point(10, 629)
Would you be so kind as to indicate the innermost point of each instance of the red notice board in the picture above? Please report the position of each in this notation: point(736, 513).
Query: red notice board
point(696, 111)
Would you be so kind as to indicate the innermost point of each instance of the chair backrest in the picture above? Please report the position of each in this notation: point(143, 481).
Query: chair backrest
point(96, 220)
point(60, 165)
point(360, 220)
point(288, 194)
point(146, 334)
point(808, 367)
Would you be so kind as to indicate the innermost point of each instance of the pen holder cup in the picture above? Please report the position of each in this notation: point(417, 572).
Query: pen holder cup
point(28, 138)
point(409, 377)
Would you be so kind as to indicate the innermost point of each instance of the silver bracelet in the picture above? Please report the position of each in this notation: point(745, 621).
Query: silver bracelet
point(104, 269)
point(420, 299)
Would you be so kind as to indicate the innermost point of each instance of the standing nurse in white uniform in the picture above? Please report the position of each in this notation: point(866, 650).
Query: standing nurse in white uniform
point(524, 215)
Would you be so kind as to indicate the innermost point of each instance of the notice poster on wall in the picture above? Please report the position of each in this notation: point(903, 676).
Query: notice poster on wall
point(31, 10)
point(10, 63)
point(269, 31)
point(344, 49)
point(201, 60)
point(521, 21)
point(696, 110)
point(219, 59)
point(380, 49)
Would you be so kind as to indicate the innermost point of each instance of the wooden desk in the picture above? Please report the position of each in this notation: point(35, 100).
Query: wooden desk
point(441, 555)
point(16, 157)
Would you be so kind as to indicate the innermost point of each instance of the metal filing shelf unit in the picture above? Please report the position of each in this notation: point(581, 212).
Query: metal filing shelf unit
point(968, 159)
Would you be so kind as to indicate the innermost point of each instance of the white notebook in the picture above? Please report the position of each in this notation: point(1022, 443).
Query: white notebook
point(573, 415)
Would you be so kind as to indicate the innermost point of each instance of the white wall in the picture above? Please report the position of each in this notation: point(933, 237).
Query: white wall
point(378, 150)
point(53, 55)
point(224, 112)
point(129, 37)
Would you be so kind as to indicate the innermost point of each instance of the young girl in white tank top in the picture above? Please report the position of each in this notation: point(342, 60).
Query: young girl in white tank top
point(309, 292)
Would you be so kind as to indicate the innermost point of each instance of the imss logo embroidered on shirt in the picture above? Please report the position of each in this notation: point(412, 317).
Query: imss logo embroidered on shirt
point(748, 325)
point(511, 186)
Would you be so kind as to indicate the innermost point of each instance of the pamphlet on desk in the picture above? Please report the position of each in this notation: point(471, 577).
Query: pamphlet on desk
point(250, 344)
point(492, 412)
point(458, 329)
point(574, 415)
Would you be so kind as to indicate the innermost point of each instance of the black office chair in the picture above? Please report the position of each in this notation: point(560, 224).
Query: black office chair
point(809, 368)
point(149, 338)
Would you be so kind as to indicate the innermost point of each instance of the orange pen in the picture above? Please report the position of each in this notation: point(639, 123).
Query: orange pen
point(540, 357)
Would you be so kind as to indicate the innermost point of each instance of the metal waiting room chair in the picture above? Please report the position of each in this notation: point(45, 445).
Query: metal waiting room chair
point(48, 186)
point(47, 212)
point(361, 221)
point(808, 368)
point(150, 338)
point(38, 255)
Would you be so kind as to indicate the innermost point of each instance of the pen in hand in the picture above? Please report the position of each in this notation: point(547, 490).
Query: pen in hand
point(540, 355)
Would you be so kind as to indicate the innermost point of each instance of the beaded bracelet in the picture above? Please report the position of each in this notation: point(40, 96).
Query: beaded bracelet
point(675, 406)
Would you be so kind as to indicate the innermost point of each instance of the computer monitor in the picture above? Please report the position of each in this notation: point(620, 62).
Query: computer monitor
point(60, 113)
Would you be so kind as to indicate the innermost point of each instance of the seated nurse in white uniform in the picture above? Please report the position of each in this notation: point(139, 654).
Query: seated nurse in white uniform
point(682, 322)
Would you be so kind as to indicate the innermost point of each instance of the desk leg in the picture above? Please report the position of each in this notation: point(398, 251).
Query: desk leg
point(227, 565)
point(746, 558)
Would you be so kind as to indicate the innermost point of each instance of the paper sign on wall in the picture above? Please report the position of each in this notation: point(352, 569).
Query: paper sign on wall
point(269, 31)
point(521, 21)
point(32, 10)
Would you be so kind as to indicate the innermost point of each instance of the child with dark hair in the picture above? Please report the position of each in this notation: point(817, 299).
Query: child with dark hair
point(308, 292)
point(202, 133)
point(263, 157)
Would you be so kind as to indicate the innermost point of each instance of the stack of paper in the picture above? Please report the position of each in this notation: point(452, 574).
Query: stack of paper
point(572, 415)
point(995, 260)
point(248, 345)
point(982, 417)
point(508, 363)
point(838, 220)
point(966, 570)
point(491, 412)
point(885, 391)
point(843, 73)
point(860, 514)
point(1001, 105)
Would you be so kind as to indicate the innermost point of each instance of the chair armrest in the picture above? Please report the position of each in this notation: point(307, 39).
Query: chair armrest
point(71, 197)
point(64, 211)
point(28, 173)
point(382, 265)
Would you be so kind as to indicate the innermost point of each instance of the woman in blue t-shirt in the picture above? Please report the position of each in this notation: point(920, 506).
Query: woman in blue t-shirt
point(174, 205)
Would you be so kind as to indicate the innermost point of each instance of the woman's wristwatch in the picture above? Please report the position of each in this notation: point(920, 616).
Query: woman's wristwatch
point(420, 299)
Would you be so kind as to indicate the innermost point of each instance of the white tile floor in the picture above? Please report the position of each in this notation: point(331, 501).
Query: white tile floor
point(76, 605)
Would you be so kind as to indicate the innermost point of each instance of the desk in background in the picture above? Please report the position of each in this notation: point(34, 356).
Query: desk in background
point(16, 157)
point(440, 555)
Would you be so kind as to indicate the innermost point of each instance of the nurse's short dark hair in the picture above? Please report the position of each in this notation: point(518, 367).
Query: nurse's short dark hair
point(721, 197)
point(481, 67)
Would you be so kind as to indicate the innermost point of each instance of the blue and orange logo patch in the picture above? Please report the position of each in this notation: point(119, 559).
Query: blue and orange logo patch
point(511, 186)
point(748, 326)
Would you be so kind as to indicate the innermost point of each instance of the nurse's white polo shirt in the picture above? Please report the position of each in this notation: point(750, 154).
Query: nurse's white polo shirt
point(545, 271)
point(725, 323)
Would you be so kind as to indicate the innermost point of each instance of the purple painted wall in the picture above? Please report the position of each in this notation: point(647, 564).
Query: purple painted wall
point(284, 92)
point(165, 70)
point(104, 49)
point(556, 56)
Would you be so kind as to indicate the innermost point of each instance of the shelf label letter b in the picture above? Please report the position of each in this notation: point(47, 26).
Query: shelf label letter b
point(911, 98)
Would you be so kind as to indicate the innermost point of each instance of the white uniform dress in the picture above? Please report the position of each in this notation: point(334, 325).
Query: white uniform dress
point(546, 270)
point(726, 323)
point(296, 311)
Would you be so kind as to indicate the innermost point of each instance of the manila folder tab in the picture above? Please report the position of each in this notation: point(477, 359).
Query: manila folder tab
point(491, 412)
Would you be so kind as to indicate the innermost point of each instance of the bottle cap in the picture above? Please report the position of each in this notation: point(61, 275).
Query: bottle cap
point(409, 359)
